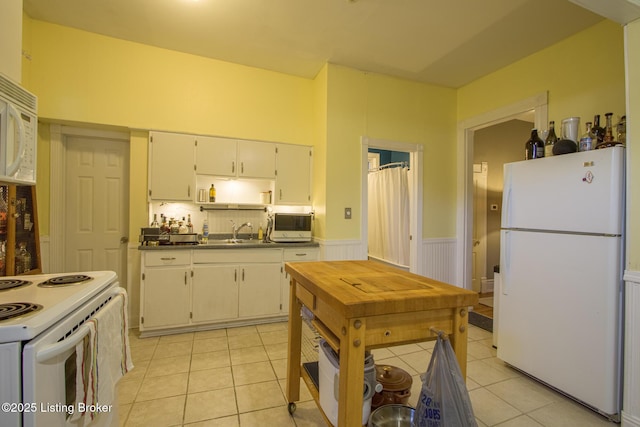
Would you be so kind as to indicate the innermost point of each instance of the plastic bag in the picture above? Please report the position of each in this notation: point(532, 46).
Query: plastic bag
point(444, 400)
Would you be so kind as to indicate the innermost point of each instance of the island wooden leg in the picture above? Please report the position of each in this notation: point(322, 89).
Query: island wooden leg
point(352, 348)
point(459, 338)
point(295, 342)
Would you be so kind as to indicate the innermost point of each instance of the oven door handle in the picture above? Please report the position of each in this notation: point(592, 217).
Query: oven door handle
point(53, 350)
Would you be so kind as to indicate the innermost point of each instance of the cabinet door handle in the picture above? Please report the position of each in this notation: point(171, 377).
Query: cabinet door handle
point(243, 274)
point(235, 276)
point(301, 254)
point(168, 258)
point(241, 167)
point(185, 278)
point(233, 167)
point(188, 191)
point(281, 194)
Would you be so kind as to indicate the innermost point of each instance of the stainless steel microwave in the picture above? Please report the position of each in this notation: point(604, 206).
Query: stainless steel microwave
point(291, 227)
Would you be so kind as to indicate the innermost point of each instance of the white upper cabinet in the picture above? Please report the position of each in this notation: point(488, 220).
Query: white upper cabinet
point(171, 166)
point(235, 158)
point(293, 180)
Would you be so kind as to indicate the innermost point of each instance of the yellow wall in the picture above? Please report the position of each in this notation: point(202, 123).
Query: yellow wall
point(633, 153)
point(583, 74)
point(82, 77)
point(319, 191)
point(382, 107)
point(85, 78)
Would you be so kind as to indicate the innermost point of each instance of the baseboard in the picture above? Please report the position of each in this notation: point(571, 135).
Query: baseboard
point(629, 420)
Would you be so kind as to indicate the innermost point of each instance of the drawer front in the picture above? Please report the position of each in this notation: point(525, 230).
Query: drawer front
point(161, 258)
point(301, 254)
point(238, 256)
point(306, 298)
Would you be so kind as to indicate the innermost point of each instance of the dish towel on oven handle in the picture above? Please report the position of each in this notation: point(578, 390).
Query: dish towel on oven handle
point(104, 358)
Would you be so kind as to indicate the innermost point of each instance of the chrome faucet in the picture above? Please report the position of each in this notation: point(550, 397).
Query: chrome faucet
point(235, 230)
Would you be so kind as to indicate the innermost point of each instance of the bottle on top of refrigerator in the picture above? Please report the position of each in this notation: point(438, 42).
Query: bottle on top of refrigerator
point(608, 129)
point(597, 130)
point(550, 140)
point(587, 140)
point(534, 148)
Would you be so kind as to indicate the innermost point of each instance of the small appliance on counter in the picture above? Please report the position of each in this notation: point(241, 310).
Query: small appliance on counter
point(291, 227)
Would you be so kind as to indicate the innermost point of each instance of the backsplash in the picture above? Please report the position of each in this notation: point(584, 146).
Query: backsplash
point(219, 219)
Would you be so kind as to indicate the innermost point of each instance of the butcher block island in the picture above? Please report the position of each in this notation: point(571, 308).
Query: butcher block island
point(360, 305)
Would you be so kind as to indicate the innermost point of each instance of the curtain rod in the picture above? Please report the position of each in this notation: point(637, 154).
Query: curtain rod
point(390, 165)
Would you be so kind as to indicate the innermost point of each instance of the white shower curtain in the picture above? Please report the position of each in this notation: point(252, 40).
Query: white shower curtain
point(388, 215)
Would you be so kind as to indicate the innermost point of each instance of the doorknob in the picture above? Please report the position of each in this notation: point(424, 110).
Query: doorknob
point(124, 239)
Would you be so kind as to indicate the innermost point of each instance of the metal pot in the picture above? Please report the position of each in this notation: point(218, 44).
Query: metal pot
point(396, 386)
point(392, 416)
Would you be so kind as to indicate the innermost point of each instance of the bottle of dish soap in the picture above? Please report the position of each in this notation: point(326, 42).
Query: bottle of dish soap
point(205, 231)
point(260, 233)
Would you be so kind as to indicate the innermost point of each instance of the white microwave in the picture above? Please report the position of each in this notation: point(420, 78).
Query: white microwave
point(18, 133)
point(291, 227)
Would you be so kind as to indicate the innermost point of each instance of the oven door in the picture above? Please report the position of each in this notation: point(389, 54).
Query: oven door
point(49, 370)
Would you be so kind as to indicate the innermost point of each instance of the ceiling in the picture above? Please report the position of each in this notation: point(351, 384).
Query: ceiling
point(446, 42)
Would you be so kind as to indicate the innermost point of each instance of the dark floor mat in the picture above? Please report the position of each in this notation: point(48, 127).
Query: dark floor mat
point(481, 321)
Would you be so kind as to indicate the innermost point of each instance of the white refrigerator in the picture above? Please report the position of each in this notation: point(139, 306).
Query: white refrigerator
point(561, 267)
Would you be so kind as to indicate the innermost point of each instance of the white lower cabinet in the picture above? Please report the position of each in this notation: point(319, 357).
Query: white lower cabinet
point(165, 292)
point(191, 289)
point(259, 290)
point(215, 293)
point(293, 255)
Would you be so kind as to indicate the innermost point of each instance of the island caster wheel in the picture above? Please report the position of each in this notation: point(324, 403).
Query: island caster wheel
point(292, 408)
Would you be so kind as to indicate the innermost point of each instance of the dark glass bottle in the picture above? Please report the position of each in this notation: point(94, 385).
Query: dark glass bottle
point(551, 140)
point(608, 130)
point(534, 148)
point(597, 131)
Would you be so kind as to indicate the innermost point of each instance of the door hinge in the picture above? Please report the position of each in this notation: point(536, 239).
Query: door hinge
point(195, 167)
point(149, 193)
point(276, 150)
point(310, 153)
point(191, 273)
point(280, 306)
point(142, 320)
point(191, 315)
point(150, 138)
point(143, 276)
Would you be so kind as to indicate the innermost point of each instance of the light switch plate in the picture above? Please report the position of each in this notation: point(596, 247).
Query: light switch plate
point(347, 213)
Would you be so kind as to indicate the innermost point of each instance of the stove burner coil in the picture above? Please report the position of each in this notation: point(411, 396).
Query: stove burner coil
point(70, 279)
point(16, 309)
point(12, 283)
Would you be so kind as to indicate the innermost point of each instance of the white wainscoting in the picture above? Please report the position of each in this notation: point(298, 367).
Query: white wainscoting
point(338, 250)
point(439, 255)
point(631, 399)
point(439, 259)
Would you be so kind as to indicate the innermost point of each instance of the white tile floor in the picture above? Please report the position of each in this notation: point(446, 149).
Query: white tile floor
point(235, 377)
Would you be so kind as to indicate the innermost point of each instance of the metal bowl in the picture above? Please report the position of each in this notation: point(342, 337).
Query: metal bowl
point(394, 415)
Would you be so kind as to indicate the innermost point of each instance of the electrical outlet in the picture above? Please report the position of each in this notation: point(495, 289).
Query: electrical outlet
point(347, 213)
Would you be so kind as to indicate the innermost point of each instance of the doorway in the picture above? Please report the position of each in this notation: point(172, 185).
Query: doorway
point(90, 202)
point(415, 197)
point(388, 207)
point(534, 107)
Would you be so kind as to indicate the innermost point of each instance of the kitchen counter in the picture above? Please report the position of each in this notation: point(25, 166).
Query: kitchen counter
point(220, 244)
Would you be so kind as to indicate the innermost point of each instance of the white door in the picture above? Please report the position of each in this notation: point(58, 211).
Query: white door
point(96, 204)
point(479, 254)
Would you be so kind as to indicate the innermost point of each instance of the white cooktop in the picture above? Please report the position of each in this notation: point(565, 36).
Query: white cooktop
point(57, 302)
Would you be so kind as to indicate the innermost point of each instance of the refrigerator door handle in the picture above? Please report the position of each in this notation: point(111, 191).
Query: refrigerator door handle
point(505, 264)
point(506, 208)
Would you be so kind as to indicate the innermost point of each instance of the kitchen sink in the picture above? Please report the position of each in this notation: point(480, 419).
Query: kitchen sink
point(236, 242)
